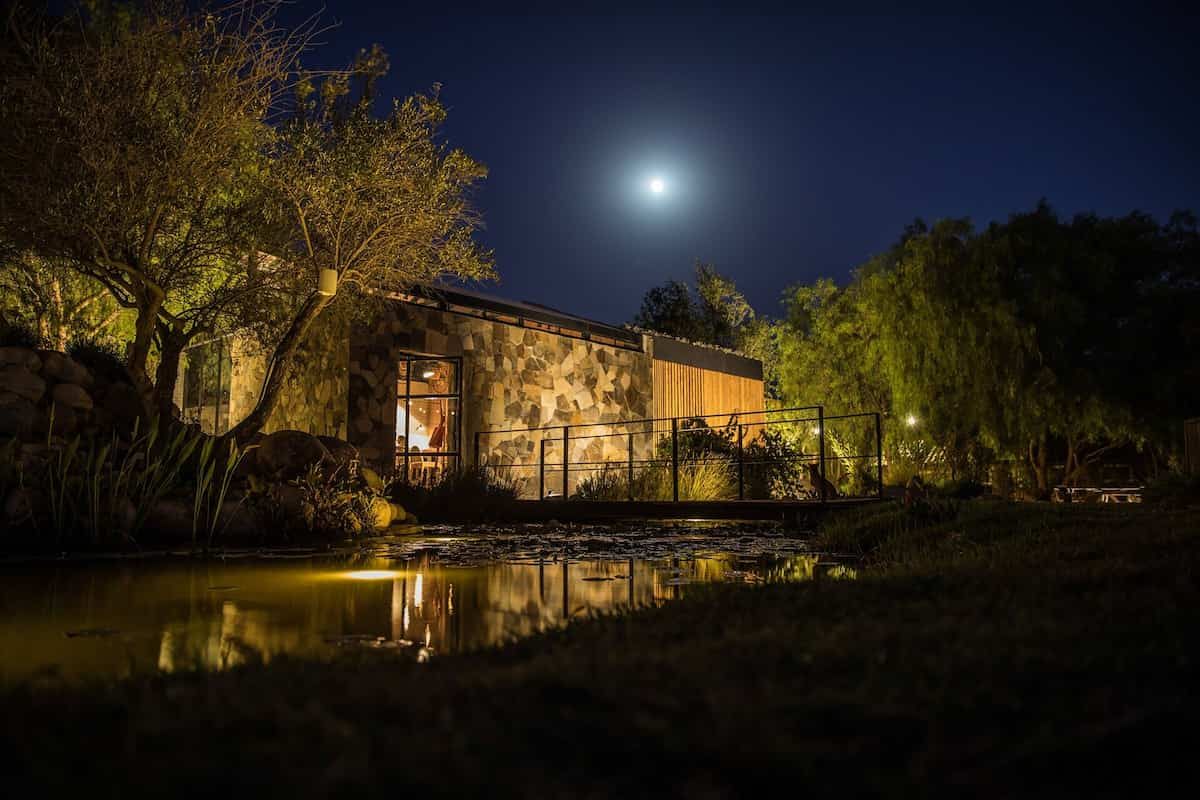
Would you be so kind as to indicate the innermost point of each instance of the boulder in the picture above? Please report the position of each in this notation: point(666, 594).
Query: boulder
point(20, 381)
point(342, 454)
point(17, 417)
point(21, 357)
point(20, 505)
point(71, 395)
point(64, 369)
point(123, 402)
point(170, 517)
point(381, 513)
point(56, 420)
point(286, 454)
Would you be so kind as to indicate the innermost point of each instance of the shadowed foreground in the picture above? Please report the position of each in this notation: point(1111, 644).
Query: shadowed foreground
point(999, 650)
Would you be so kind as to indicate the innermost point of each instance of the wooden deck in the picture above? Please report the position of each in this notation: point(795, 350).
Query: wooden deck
point(597, 510)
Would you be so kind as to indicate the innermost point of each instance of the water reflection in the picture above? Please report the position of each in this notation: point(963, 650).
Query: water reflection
point(115, 620)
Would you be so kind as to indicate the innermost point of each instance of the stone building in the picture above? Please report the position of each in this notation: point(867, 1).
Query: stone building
point(447, 377)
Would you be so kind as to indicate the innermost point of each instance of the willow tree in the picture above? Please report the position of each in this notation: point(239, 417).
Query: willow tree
point(131, 140)
point(362, 206)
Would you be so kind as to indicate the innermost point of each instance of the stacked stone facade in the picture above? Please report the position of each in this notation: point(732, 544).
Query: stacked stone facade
point(513, 377)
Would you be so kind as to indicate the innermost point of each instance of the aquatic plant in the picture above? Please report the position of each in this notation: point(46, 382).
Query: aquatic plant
point(211, 488)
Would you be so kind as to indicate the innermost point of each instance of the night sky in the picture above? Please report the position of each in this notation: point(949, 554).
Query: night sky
point(792, 147)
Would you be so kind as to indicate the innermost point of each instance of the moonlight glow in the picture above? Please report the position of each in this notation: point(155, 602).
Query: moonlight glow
point(657, 185)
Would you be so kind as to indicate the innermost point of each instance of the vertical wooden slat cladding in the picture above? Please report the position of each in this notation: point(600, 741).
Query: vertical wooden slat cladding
point(681, 390)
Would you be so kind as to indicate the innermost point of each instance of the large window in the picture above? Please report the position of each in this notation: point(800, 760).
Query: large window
point(428, 418)
point(206, 373)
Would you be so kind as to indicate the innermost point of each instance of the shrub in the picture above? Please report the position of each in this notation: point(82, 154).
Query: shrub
point(333, 504)
point(102, 357)
point(1173, 489)
point(17, 335)
point(465, 495)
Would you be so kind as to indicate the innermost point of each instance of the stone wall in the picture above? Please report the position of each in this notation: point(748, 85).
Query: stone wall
point(314, 395)
point(513, 377)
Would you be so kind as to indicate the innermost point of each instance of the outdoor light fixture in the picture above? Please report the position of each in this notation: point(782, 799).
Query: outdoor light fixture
point(910, 421)
point(816, 430)
point(327, 283)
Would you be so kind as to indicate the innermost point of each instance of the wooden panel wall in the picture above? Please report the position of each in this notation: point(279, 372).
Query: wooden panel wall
point(681, 390)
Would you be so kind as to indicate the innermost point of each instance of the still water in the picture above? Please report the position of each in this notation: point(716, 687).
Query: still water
point(116, 619)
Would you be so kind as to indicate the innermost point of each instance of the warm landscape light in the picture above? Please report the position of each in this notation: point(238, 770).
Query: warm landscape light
point(372, 574)
point(910, 421)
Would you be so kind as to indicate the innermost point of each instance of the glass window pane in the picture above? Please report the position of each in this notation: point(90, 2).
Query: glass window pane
point(434, 377)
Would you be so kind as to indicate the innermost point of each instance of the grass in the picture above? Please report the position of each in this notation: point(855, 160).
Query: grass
point(984, 649)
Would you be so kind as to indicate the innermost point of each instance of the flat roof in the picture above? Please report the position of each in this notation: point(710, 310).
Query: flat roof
point(456, 298)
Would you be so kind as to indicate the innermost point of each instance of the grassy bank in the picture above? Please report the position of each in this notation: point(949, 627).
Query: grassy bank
point(987, 649)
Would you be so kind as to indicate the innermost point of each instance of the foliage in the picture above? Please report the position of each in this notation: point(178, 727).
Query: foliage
point(715, 314)
point(101, 357)
point(1173, 489)
point(95, 491)
point(1018, 342)
point(215, 468)
point(468, 494)
point(332, 502)
point(130, 148)
point(58, 303)
point(382, 203)
point(18, 335)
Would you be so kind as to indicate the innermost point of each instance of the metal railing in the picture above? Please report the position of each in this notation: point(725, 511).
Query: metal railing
point(780, 454)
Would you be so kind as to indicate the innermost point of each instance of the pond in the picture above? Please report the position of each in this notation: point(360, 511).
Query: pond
point(444, 591)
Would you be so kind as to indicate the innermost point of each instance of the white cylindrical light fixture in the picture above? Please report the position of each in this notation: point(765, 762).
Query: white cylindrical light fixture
point(327, 282)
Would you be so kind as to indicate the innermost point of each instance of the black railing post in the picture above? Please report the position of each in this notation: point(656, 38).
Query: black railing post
point(542, 469)
point(675, 459)
point(741, 467)
point(566, 458)
point(879, 451)
point(631, 466)
point(821, 449)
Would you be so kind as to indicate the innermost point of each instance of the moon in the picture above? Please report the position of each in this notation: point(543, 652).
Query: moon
point(657, 185)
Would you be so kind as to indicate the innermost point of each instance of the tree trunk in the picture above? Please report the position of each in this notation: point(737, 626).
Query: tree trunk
point(60, 316)
point(1037, 461)
point(167, 374)
point(277, 368)
point(139, 350)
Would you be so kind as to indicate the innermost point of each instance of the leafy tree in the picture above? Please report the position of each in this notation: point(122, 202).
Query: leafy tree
point(382, 203)
point(59, 304)
point(716, 313)
point(130, 147)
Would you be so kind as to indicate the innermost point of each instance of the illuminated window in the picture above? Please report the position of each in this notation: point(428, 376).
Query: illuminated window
point(428, 418)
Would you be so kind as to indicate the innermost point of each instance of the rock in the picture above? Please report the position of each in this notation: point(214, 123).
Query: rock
point(20, 381)
point(342, 454)
point(71, 395)
point(56, 420)
point(170, 517)
point(381, 513)
point(123, 402)
point(21, 357)
point(286, 454)
point(17, 417)
point(64, 369)
point(19, 505)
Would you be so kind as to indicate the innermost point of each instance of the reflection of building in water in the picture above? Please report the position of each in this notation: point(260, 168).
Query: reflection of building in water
point(180, 616)
point(234, 638)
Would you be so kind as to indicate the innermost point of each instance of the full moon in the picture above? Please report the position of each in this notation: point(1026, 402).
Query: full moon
point(657, 186)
